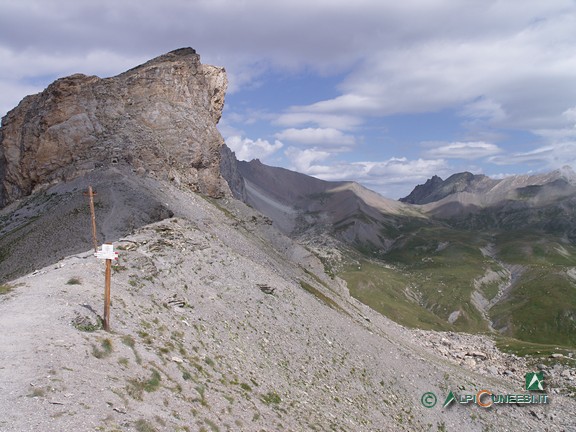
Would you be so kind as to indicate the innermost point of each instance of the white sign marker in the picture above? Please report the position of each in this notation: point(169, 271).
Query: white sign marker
point(107, 252)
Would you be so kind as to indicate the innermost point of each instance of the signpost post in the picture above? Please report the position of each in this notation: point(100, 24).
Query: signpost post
point(107, 253)
point(91, 194)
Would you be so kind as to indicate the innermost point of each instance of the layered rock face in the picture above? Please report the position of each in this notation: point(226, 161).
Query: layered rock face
point(160, 118)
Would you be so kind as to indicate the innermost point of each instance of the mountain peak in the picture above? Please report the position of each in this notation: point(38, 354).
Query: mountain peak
point(435, 188)
point(81, 123)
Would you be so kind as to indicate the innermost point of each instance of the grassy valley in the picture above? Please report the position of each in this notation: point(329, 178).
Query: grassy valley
point(520, 285)
point(541, 307)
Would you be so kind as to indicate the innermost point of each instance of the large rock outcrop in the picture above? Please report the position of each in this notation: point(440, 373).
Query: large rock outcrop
point(159, 118)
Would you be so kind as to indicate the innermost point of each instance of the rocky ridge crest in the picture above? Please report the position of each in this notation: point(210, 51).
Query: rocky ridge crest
point(159, 118)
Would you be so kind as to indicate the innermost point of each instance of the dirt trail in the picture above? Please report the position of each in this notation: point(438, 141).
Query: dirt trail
point(36, 342)
point(21, 328)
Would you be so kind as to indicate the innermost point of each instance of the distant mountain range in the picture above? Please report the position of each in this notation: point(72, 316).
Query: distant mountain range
point(543, 202)
point(493, 191)
point(466, 253)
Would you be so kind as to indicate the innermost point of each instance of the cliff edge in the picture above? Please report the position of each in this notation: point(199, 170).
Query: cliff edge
point(159, 118)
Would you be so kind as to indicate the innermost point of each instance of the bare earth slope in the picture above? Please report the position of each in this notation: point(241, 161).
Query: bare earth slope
point(305, 207)
point(221, 323)
point(47, 226)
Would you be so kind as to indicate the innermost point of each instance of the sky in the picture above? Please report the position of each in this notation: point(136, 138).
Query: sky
point(386, 93)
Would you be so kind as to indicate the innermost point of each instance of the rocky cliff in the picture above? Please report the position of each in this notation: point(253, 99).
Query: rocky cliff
point(159, 118)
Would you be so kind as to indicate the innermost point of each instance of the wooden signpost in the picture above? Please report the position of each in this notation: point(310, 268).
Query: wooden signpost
point(107, 253)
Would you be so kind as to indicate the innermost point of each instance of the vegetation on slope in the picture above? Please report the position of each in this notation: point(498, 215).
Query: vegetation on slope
point(429, 277)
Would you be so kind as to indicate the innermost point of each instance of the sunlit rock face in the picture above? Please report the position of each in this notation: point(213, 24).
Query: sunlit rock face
point(159, 118)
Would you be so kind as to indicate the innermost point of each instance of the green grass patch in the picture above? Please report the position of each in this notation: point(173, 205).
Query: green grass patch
point(529, 248)
point(38, 392)
point(382, 289)
point(321, 296)
point(431, 276)
point(105, 351)
point(136, 388)
point(5, 289)
point(128, 341)
point(117, 268)
point(153, 383)
point(144, 426)
point(271, 398)
point(213, 426)
point(531, 349)
point(86, 324)
point(201, 389)
point(490, 290)
point(74, 281)
point(541, 308)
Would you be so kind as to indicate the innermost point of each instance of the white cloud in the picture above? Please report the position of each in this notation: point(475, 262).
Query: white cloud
point(560, 134)
point(325, 137)
point(300, 116)
point(544, 157)
point(34, 62)
point(393, 178)
point(396, 177)
point(247, 149)
point(304, 161)
point(519, 74)
point(402, 167)
point(30, 71)
point(556, 135)
point(570, 116)
point(462, 150)
point(484, 108)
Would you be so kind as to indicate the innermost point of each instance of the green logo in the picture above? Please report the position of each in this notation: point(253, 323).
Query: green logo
point(449, 399)
point(428, 399)
point(534, 381)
